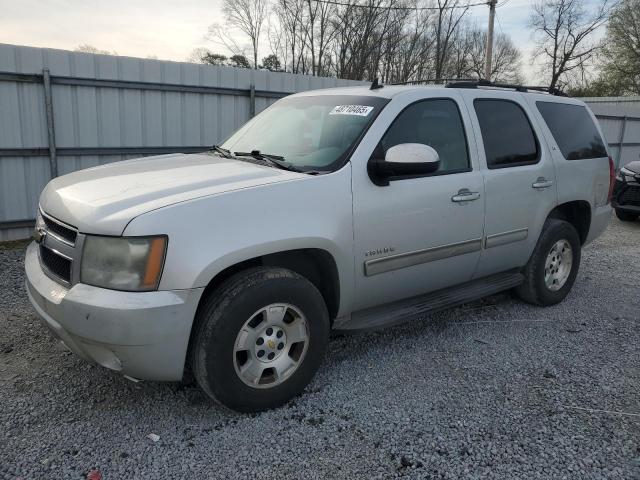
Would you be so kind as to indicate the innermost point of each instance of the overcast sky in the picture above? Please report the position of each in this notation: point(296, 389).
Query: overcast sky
point(169, 29)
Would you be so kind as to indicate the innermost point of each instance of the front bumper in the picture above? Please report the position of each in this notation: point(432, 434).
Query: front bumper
point(626, 196)
point(144, 335)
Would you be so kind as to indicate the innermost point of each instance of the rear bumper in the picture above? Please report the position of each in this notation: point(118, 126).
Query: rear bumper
point(143, 335)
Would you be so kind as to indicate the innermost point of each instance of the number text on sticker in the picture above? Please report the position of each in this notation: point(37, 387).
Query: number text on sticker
point(359, 110)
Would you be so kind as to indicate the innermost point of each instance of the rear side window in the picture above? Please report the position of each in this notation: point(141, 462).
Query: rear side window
point(573, 130)
point(507, 135)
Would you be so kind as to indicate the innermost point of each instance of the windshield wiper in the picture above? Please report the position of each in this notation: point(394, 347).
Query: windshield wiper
point(222, 151)
point(273, 160)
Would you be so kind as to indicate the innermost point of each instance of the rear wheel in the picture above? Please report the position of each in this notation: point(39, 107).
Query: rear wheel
point(259, 339)
point(553, 266)
point(626, 216)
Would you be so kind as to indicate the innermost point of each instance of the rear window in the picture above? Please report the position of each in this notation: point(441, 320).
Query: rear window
point(573, 130)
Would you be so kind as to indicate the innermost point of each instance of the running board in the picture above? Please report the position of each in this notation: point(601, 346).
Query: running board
point(418, 307)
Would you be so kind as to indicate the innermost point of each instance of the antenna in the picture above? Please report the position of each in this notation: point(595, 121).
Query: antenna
point(375, 85)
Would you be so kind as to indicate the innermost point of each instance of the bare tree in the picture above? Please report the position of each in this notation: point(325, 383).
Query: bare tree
point(363, 30)
point(408, 48)
point(225, 38)
point(319, 32)
point(563, 31)
point(248, 16)
point(289, 32)
point(506, 64)
point(394, 40)
point(449, 15)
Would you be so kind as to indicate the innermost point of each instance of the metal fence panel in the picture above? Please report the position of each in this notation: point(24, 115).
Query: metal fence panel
point(108, 108)
point(620, 121)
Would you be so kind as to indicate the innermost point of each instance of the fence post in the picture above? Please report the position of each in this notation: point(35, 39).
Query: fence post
point(252, 101)
point(51, 134)
point(623, 129)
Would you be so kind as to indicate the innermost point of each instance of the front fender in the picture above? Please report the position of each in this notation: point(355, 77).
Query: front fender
point(210, 234)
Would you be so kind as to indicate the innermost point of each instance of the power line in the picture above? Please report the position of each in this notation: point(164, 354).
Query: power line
point(381, 7)
point(499, 24)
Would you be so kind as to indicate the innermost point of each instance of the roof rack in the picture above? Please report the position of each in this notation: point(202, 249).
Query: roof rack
point(517, 88)
point(476, 83)
point(436, 81)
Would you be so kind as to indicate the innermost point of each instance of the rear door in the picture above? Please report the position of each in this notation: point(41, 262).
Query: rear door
point(581, 158)
point(519, 176)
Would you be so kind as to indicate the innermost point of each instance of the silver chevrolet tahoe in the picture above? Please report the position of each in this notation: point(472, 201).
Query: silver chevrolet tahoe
point(345, 209)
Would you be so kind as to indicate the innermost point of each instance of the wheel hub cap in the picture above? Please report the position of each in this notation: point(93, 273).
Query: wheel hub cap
point(558, 265)
point(271, 345)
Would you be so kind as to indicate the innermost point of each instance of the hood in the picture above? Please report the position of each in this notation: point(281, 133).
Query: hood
point(633, 166)
point(103, 200)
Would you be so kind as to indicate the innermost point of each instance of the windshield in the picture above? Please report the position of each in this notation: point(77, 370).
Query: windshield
point(310, 133)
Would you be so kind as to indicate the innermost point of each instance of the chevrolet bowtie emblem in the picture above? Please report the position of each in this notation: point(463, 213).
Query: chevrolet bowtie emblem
point(39, 235)
point(271, 344)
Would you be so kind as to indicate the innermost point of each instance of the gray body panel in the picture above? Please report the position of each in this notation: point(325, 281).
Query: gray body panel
point(511, 202)
point(417, 218)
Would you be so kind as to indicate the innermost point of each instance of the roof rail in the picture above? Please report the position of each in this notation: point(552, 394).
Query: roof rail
point(476, 83)
point(517, 88)
point(429, 81)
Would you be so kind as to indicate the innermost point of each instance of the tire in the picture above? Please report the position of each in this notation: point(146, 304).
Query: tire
point(535, 289)
point(626, 216)
point(220, 358)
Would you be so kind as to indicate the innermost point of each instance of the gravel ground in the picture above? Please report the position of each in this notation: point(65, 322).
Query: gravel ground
point(493, 389)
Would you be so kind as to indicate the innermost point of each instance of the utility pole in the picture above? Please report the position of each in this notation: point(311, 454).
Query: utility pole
point(489, 58)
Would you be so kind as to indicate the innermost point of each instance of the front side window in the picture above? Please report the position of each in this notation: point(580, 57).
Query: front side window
point(309, 132)
point(507, 135)
point(573, 130)
point(436, 123)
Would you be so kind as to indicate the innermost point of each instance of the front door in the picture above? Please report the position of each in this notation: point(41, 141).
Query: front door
point(419, 234)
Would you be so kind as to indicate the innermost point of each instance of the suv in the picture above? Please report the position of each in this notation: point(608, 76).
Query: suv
point(626, 193)
point(346, 209)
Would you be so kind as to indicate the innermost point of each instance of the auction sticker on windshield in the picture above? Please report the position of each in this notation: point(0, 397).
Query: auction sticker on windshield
point(359, 110)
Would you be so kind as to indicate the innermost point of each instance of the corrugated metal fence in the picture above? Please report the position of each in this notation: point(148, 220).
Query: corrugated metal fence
point(62, 111)
point(619, 118)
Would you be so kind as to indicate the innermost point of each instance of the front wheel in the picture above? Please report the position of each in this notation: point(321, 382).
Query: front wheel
point(626, 216)
point(259, 339)
point(553, 266)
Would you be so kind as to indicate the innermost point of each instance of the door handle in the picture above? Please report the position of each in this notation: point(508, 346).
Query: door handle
point(465, 195)
point(542, 182)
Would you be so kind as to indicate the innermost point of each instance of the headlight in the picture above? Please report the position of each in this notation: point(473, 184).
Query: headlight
point(121, 263)
point(625, 173)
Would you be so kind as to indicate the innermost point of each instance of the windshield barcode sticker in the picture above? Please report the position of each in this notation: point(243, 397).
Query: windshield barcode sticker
point(359, 110)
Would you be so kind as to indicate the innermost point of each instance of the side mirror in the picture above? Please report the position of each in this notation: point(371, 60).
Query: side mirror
point(402, 160)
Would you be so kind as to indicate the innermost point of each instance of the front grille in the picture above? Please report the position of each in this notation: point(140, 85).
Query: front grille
point(56, 264)
point(67, 234)
point(630, 196)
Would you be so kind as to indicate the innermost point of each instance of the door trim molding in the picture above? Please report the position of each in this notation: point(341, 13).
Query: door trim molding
point(503, 238)
point(417, 257)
